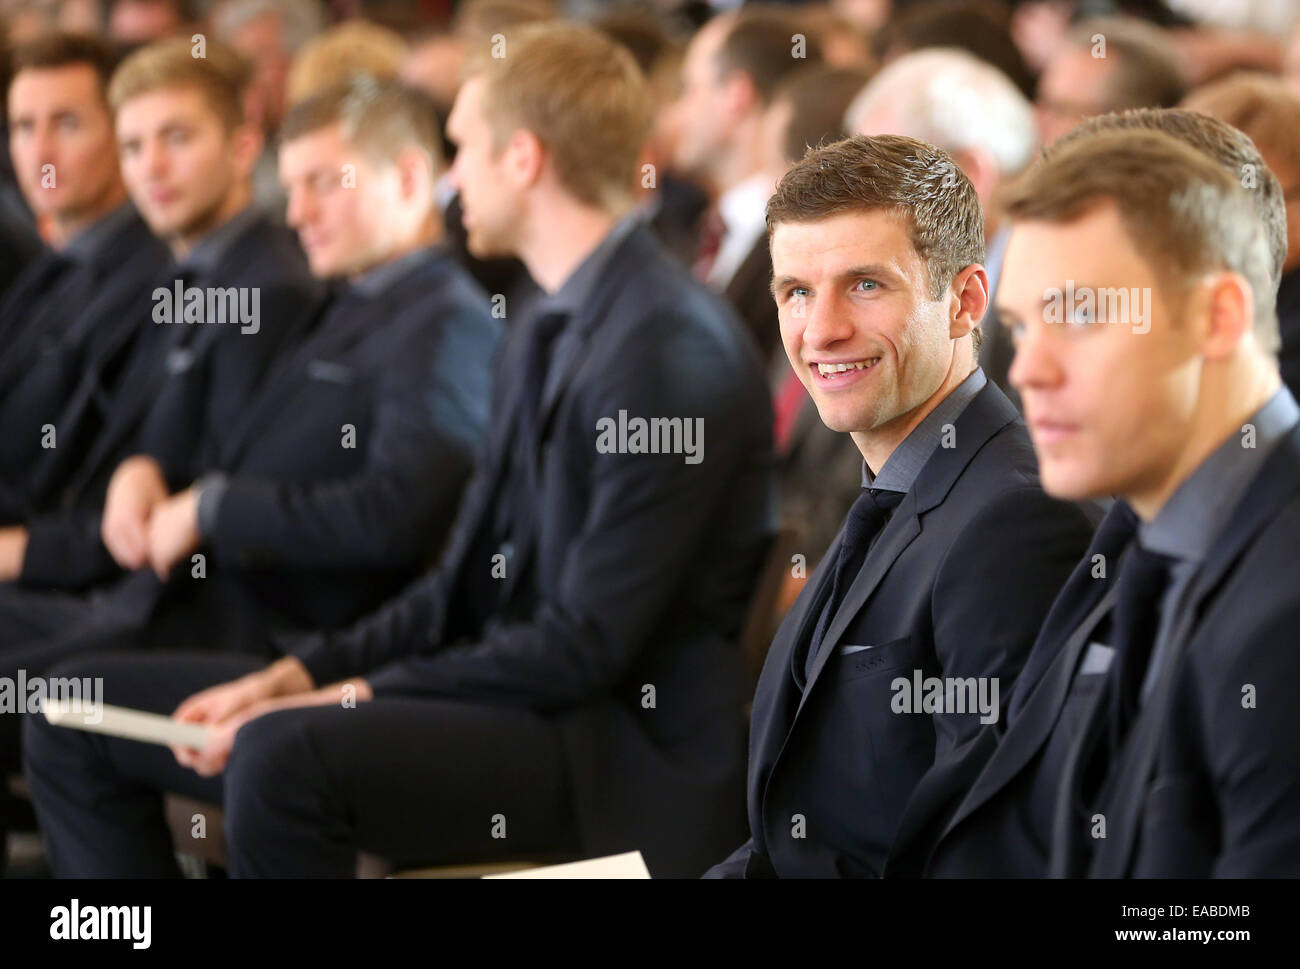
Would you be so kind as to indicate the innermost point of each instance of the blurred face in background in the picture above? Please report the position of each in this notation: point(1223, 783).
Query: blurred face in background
point(489, 177)
point(186, 171)
point(1071, 89)
point(61, 140)
point(143, 21)
point(701, 116)
point(345, 217)
point(261, 42)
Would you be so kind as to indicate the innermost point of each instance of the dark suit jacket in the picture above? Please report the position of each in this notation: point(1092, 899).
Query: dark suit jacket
point(955, 586)
point(1001, 839)
point(1288, 319)
point(80, 324)
point(750, 293)
point(19, 245)
point(180, 384)
point(619, 613)
point(1204, 784)
point(310, 533)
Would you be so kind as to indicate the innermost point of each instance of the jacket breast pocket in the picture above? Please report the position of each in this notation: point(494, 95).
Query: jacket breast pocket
point(856, 660)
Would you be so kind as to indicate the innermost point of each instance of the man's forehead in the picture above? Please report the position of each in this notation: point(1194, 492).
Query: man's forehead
point(876, 235)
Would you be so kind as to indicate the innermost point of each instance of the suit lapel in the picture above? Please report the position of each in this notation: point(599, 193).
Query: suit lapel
point(1037, 717)
point(901, 529)
point(571, 349)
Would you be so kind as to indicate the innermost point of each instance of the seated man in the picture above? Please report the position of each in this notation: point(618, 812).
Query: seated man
point(951, 554)
point(568, 678)
point(339, 482)
point(186, 154)
point(1149, 740)
point(81, 304)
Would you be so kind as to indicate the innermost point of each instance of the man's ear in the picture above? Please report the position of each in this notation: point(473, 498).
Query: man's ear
point(969, 300)
point(1230, 314)
point(246, 143)
point(525, 157)
point(415, 172)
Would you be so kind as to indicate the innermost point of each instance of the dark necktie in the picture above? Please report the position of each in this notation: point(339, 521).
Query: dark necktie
point(1140, 585)
point(866, 519)
point(1143, 579)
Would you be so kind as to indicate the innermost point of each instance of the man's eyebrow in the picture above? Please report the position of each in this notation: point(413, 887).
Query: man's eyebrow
point(853, 272)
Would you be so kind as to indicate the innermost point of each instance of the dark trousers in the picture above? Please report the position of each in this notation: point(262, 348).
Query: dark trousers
point(415, 781)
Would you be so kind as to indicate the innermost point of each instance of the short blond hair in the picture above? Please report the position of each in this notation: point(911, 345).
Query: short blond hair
point(583, 96)
point(343, 52)
point(1183, 211)
point(220, 75)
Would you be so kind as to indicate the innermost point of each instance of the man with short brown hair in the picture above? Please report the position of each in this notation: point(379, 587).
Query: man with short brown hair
point(1139, 290)
point(951, 555)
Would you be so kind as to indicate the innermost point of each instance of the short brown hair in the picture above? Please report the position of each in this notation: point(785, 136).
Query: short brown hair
point(1230, 147)
point(55, 50)
point(343, 51)
point(1183, 211)
point(381, 118)
point(1261, 105)
point(760, 44)
point(583, 96)
point(819, 98)
point(896, 174)
point(220, 75)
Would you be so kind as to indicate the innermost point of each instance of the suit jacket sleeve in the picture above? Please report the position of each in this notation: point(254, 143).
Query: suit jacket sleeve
point(647, 514)
point(745, 862)
point(64, 550)
point(1255, 749)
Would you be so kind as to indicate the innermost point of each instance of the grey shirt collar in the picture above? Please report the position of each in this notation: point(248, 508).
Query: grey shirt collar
point(903, 466)
point(373, 282)
point(91, 241)
point(1188, 524)
point(212, 248)
point(575, 291)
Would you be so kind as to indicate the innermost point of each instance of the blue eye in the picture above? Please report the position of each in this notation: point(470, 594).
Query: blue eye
point(869, 282)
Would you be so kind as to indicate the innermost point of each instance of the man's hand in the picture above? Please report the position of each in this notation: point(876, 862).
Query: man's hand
point(136, 488)
point(284, 677)
point(13, 548)
point(174, 531)
point(212, 759)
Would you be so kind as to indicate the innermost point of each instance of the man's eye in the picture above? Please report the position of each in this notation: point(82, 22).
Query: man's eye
point(870, 285)
point(1017, 332)
point(797, 292)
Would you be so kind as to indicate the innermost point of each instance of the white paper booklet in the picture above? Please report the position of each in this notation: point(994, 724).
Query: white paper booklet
point(629, 865)
point(152, 728)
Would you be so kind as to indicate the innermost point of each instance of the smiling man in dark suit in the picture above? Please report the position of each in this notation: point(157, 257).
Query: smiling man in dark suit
point(568, 678)
point(1152, 735)
point(951, 555)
